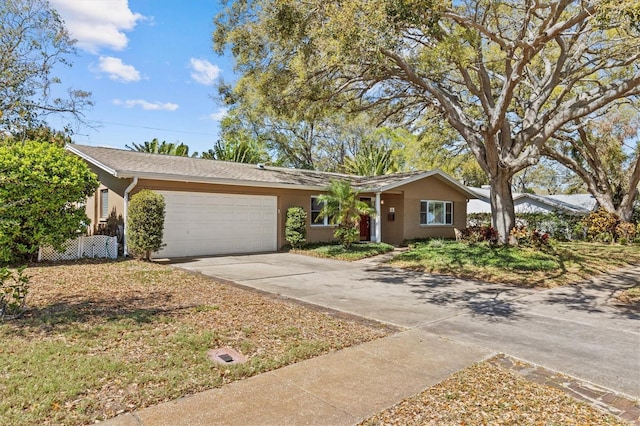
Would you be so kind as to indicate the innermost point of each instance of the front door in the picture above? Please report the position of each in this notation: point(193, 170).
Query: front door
point(365, 227)
point(365, 223)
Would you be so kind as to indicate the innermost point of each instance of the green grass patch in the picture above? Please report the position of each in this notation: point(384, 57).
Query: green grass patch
point(336, 251)
point(558, 264)
point(631, 295)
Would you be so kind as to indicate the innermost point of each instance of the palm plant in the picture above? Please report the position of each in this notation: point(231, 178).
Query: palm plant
point(156, 147)
point(343, 207)
point(237, 151)
point(371, 160)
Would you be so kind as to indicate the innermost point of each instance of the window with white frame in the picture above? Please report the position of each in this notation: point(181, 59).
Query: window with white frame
point(436, 212)
point(104, 203)
point(316, 207)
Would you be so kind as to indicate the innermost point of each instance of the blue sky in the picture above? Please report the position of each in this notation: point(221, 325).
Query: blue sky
point(151, 68)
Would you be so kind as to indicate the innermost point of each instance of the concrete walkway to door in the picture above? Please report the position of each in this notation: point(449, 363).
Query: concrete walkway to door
point(577, 330)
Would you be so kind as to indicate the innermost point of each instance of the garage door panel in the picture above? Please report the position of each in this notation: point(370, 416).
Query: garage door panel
point(207, 224)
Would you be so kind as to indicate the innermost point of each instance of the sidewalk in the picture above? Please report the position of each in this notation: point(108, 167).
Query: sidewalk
point(340, 388)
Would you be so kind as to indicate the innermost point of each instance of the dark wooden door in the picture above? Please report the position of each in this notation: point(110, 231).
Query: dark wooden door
point(365, 228)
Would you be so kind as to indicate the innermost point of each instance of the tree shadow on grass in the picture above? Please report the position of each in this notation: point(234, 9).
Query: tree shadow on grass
point(69, 313)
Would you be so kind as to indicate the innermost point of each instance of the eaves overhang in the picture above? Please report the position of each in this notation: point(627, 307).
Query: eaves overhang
point(89, 159)
point(126, 174)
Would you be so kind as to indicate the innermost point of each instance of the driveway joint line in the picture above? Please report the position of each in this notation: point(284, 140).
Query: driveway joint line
point(312, 394)
point(551, 317)
point(277, 276)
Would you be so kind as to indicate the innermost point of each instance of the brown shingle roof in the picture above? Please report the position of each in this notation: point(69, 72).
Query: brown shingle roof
point(127, 164)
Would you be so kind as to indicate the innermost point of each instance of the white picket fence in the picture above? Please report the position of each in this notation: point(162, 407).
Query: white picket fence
point(95, 246)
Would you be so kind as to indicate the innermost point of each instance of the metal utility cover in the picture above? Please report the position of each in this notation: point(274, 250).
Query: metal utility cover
point(226, 356)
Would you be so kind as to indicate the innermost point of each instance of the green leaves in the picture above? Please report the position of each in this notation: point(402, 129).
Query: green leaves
point(343, 207)
point(238, 150)
point(164, 147)
point(14, 286)
point(505, 75)
point(34, 42)
point(295, 231)
point(146, 223)
point(42, 194)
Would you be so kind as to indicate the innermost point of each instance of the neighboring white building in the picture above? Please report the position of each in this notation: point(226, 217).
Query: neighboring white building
point(574, 204)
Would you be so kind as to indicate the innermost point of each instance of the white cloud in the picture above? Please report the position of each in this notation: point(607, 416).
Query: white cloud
point(98, 23)
point(203, 71)
point(146, 105)
point(218, 115)
point(117, 70)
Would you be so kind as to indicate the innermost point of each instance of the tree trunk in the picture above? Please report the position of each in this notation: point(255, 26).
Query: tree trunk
point(502, 208)
point(625, 210)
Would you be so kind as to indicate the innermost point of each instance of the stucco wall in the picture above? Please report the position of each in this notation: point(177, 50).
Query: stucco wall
point(432, 188)
point(116, 189)
point(405, 200)
point(392, 227)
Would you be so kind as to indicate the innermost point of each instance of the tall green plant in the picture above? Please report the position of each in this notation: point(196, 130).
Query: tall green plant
point(145, 223)
point(156, 147)
point(238, 151)
point(506, 75)
point(371, 160)
point(343, 207)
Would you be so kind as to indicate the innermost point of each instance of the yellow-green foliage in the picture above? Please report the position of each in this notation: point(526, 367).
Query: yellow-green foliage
point(601, 224)
point(625, 231)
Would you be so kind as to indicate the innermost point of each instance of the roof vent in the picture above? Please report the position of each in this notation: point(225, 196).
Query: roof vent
point(260, 166)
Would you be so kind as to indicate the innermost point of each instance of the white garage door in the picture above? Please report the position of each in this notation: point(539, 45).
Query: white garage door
point(204, 224)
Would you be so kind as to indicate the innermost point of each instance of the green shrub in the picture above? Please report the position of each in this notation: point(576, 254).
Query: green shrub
point(145, 226)
point(530, 238)
point(43, 189)
point(476, 234)
point(347, 234)
point(13, 292)
point(560, 226)
point(295, 229)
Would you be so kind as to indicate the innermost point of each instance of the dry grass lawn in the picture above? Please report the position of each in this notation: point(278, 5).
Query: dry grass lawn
point(485, 394)
point(99, 339)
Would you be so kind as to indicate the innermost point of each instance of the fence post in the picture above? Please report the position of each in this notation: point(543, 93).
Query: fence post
point(80, 247)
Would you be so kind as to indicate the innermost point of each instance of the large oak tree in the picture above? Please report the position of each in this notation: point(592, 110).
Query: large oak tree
point(506, 75)
point(604, 152)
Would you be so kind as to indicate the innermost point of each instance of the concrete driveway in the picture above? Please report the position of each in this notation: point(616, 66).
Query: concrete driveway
point(577, 330)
